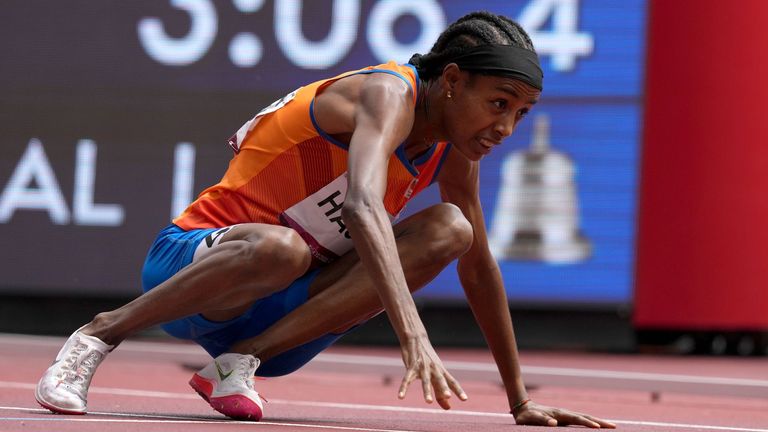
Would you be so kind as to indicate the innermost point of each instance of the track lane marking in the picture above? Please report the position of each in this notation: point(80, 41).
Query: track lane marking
point(688, 426)
point(379, 361)
point(171, 419)
point(336, 405)
point(545, 370)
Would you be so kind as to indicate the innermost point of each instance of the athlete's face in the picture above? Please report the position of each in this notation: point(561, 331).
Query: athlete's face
point(483, 110)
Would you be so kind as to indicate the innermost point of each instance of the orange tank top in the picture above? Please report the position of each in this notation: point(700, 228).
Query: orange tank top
point(286, 170)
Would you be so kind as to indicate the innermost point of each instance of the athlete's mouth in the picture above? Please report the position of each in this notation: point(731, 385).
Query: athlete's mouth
point(487, 144)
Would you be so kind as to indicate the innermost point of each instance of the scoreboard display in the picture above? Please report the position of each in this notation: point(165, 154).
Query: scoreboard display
point(114, 115)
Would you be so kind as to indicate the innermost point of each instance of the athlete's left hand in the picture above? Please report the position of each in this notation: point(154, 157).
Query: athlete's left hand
point(540, 415)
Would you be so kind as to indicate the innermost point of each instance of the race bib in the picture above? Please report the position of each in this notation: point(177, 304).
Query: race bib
point(317, 219)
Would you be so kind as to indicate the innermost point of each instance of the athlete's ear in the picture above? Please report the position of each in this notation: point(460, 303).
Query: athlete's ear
point(451, 77)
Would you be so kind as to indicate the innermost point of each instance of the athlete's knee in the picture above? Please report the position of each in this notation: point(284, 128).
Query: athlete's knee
point(279, 257)
point(282, 250)
point(451, 232)
point(459, 229)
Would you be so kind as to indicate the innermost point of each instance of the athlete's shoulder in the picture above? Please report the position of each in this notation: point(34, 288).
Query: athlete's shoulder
point(405, 72)
point(378, 82)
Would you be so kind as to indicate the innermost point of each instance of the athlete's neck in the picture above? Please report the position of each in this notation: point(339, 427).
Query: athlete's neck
point(424, 133)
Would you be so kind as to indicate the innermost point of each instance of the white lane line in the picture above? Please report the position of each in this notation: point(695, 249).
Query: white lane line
point(170, 419)
point(313, 404)
point(111, 391)
point(751, 385)
point(254, 424)
point(687, 426)
point(642, 376)
point(571, 372)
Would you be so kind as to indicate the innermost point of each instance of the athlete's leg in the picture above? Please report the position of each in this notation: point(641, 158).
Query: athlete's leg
point(251, 261)
point(251, 264)
point(343, 294)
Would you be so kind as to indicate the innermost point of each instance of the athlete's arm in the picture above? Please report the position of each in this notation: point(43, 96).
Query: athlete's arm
point(480, 276)
point(381, 123)
point(382, 117)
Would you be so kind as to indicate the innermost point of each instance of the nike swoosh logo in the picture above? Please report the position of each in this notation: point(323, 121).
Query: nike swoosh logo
point(222, 375)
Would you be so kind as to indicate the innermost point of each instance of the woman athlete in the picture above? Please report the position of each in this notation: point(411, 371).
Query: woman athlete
point(296, 245)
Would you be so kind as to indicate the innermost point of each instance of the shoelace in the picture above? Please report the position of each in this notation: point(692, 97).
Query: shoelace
point(246, 371)
point(78, 376)
point(67, 366)
point(85, 371)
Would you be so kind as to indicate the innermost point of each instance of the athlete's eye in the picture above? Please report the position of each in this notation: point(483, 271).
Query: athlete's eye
point(522, 113)
point(500, 103)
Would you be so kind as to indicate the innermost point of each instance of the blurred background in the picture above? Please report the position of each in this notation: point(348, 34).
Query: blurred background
point(627, 212)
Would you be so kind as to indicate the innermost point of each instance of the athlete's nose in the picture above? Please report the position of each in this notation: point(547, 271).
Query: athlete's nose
point(505, 126)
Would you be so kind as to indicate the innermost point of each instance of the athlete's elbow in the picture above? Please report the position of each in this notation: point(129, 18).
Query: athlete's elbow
point(356, 211)
point(359, 211)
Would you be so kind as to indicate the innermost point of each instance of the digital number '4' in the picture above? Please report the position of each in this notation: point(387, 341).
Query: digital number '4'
point(564, 43)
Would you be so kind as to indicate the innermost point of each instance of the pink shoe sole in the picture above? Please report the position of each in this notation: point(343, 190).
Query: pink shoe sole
point(235, 406)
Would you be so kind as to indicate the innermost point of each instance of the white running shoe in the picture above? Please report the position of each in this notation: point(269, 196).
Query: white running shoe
point(64, 386)
point(227, 384)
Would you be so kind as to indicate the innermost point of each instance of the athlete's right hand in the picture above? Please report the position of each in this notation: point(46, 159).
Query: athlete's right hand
point(421, 361)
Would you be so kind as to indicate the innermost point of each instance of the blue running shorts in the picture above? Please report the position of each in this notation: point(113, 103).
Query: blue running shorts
point(173, 250)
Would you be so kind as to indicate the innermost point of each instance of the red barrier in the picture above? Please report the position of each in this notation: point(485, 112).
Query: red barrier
point(703, 231)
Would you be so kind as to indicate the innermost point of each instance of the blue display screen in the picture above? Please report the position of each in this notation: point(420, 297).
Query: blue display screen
point(115, 114)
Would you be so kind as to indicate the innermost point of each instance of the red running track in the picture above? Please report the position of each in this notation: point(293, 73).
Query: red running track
point(142, 386)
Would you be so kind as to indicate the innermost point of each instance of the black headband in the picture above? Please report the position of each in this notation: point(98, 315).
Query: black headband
point(508, 60)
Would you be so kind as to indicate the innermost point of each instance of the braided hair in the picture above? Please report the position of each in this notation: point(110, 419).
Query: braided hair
point(473, 29)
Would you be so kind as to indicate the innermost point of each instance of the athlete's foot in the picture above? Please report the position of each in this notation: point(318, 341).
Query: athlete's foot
point(227, 384)
point(64, 386)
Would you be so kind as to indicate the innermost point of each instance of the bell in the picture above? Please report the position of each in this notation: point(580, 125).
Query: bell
point(536, 216)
